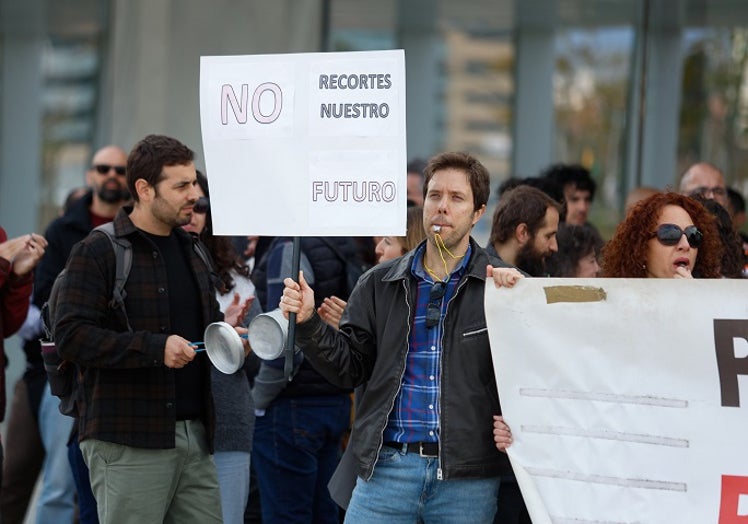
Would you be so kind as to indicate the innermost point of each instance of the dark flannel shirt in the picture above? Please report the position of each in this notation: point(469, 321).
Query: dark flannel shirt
point(128, 393)
point(415, 415)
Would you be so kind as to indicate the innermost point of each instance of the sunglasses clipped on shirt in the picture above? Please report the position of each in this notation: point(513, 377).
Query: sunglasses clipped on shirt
point(670, 234)
point(434, 309)
point(103, 169)
point(201, 206)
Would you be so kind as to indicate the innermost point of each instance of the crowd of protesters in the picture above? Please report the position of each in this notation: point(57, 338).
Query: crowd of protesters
point(160, 435)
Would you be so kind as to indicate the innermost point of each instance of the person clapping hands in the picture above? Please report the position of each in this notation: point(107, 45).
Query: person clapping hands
point(23, 252)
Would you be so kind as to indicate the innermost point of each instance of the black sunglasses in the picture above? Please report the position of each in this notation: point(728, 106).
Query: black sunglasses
point(201, 206)
point(669, 235)
point(103, 169)
point(434, 310)
point(704, 191)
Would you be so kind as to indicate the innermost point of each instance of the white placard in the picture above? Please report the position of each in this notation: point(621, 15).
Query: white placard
point(629, 405)
point(305, 144)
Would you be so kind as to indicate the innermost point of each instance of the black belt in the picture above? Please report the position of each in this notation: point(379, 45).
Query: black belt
point(425, 449)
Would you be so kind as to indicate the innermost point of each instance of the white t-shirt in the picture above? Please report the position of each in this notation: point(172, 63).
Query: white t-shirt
point(242, 285)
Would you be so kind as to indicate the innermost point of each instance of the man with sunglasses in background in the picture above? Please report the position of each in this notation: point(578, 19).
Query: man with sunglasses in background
point(415, 331)
point(36, 429)
point(705, 180)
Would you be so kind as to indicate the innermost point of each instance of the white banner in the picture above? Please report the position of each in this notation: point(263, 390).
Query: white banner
point(307, 144)
point(627, 398)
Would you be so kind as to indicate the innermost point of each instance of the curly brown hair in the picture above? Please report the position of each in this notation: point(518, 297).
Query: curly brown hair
point(625, 253)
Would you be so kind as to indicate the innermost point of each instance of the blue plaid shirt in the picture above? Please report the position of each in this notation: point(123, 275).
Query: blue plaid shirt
point(415, 414)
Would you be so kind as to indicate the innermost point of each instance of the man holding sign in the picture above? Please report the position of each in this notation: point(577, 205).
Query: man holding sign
point(415, 332)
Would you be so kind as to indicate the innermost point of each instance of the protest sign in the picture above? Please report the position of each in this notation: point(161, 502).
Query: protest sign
point(306, 144)
point(627, 398)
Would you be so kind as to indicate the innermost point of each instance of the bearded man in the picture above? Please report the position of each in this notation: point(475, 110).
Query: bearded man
point(523, 232)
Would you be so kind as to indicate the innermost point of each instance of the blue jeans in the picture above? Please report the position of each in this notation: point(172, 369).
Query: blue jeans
point(295, 451)
point(404, 489)
point(232, 468)
point(86, 501)
point(57, 496)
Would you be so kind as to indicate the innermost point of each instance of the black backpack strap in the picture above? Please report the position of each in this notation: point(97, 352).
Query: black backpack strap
point(202, 251)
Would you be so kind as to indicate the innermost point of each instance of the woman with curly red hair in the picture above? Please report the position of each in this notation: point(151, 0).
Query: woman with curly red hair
point(667, 235)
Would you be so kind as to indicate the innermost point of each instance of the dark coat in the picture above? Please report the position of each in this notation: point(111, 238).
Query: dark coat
point(61, 234)
point(372, 346)
point(128, 392)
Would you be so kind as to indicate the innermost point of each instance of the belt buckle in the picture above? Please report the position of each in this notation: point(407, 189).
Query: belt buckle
point(421, 453)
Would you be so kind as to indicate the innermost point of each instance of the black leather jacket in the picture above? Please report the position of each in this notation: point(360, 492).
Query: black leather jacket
point(372, 345)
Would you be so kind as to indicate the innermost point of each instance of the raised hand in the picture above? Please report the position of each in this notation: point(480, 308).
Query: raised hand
point(331, 310)
point(30, 253)
point(237, 310)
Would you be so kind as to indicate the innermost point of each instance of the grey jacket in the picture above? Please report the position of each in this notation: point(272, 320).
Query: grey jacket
point(372, 346)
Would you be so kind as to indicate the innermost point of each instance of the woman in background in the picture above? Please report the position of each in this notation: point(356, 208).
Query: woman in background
point(393, 247)
point(667, 235)
point(578, 252)
point(232, 398)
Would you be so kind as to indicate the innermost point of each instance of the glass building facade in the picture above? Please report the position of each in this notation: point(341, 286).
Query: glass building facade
point(634, 90)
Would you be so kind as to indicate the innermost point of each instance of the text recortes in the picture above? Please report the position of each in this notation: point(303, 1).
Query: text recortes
point(360, 81)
